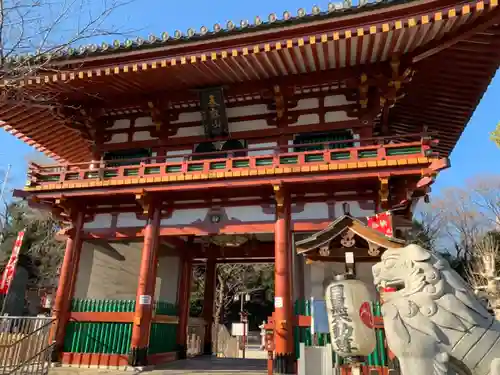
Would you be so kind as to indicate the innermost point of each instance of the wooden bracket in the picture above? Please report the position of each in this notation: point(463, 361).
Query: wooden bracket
point(280, 101)
point(156, 115)
point(144, 201)
point(383, 192)
point(363, 91)
point(279, 196)
point(147, 201)
point(161, 115)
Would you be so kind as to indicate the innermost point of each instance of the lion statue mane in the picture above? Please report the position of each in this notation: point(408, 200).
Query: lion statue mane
point(433, 321)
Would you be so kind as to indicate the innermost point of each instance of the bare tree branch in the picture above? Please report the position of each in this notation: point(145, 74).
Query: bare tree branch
point(35, 33)
point(483, 271)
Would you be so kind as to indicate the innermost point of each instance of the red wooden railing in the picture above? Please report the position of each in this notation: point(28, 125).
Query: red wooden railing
point(370, 149)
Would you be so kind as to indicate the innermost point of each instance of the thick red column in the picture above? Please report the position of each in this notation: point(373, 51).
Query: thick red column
point(67, 280)
point(208, 304)
point(144, 301)
point(284, 359)
point(183, 303)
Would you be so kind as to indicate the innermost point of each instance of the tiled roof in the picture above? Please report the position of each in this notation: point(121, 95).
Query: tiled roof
point(218, 30)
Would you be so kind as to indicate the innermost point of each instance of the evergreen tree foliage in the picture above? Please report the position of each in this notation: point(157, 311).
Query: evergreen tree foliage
point(41, 251)
point(495, 135)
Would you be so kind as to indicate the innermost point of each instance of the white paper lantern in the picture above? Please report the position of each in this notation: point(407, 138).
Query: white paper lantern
point(348, 303)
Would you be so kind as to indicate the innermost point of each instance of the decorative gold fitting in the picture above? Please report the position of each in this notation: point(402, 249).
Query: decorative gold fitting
point(279, 196)
point(384, 189)
point(141, 198)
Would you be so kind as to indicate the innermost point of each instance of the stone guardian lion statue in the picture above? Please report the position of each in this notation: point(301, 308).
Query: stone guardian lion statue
point(434, 323)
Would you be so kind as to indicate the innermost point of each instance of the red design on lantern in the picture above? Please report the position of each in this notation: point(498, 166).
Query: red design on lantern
point(365, 313)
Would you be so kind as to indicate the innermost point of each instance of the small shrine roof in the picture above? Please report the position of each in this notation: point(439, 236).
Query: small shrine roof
point(346, 222)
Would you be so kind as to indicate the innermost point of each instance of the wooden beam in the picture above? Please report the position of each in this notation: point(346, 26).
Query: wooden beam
point(245, 251)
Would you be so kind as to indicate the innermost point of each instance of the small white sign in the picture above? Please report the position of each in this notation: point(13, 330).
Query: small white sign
point(237, 329)
point(349, 257)
point(145, 300)
point(278, 302)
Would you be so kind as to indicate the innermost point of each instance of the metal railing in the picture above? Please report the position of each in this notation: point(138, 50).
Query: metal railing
point(25, 345)
point(190, 165)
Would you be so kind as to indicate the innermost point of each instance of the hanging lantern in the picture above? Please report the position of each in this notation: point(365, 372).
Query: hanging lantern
point(348, 303)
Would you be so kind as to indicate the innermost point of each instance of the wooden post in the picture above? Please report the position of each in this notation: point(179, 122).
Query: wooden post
point(183, 298)
point(208, 304)
point(67, 280)
point(143, 314)
point(284, 359)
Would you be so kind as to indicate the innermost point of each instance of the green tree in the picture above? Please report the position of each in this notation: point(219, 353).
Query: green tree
point(495, 135)
point(40, 244)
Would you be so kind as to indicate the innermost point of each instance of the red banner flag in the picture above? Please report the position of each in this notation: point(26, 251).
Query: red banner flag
point(381, 222)
point(10, 269)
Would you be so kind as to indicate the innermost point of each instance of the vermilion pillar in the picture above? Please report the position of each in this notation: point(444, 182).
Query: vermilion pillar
point(183, 303)
point(284, 360)
point(143, 314)
point(208, 304)
point(67, 280)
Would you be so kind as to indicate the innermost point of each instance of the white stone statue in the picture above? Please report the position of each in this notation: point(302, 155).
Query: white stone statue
point(434, 323)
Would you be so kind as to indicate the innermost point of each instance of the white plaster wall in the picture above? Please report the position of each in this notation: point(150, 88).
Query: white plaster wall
point(310, 103)
point(143, 121)
point(118, 138)
point(167, 279)
point(249, 214)
point(249, 110)
point(129, 219)
point(260, 145)
point(112, 272)
point(100, 221)
point(355, 209)
point(187, 216)
point(317, 210)
point(188, 117)
point(243, 126)
point(336, 116)
point(334, 100)
point(108, 271)
point(173, 158)
point(121, 124)
point(142, 136)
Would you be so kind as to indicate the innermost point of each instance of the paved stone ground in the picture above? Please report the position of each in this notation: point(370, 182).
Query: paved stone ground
point(215, 366)
point(199, 365)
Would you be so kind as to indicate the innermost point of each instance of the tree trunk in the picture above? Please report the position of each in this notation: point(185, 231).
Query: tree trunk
point(219, 302)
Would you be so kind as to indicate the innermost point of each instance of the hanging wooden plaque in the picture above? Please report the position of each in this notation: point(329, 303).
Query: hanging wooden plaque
point(213, 112)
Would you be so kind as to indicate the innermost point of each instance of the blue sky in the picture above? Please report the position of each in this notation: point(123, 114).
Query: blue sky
point(474, 154)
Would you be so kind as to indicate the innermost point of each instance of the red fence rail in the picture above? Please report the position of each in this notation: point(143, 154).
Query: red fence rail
point(344, 151)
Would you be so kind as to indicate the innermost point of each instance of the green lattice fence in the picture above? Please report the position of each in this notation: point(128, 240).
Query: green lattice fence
point(303, 335)
point(162, 338)
point(114, 338)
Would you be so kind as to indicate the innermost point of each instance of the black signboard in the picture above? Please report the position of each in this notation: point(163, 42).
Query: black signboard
point(213, 112)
